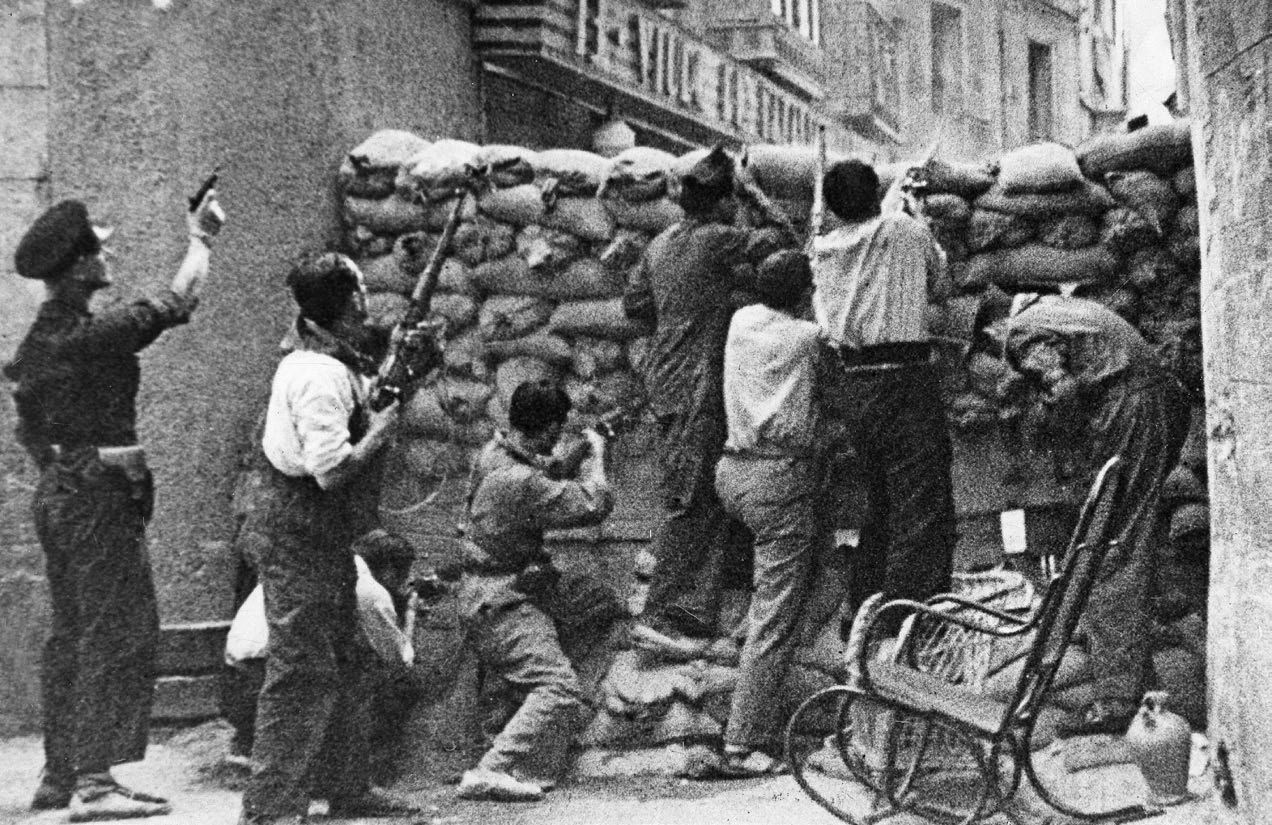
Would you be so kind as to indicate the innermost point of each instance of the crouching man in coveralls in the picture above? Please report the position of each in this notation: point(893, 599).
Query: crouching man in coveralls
point(522, 615)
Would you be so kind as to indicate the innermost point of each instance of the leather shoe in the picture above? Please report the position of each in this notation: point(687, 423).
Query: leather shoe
point(53, 793)
point(1103, 716)
point(374, 802)
point(497, 786)
point(93, 802)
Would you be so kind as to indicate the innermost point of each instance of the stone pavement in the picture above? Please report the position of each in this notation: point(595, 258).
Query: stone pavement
point(623, 787)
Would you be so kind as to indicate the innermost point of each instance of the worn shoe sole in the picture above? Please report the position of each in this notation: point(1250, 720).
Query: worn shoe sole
point(681, 649)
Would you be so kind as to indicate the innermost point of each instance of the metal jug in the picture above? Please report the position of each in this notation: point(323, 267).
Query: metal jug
point(1161, 743)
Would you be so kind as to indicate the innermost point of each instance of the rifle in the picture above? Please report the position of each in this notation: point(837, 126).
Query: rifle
point(818, 215)
point(610, 425)
point(398, 369)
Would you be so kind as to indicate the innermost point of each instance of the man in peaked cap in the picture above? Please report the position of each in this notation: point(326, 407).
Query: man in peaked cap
point(76, 376)
point(683, 284)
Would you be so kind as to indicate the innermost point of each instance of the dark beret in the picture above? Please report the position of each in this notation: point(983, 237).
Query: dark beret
point(57, 239)
point(782, 277)
point(714, 173)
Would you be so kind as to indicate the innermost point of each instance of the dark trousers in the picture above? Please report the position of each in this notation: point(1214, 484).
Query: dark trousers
point(99, 662)
point(1148, 431)
point(311, 727)
point(896, 419)
point(534, 702)
point(699, 550)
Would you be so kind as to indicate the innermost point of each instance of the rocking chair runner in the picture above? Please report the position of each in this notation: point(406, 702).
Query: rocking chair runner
point(902, 720)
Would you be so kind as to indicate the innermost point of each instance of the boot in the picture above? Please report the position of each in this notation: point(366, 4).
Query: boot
point(104, 798)
point(497, 786)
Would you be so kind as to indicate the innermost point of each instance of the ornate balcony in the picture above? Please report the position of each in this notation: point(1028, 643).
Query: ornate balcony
point(621, 53)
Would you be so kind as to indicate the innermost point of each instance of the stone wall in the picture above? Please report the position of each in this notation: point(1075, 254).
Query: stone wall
point(142, 100)
point(1228, 48)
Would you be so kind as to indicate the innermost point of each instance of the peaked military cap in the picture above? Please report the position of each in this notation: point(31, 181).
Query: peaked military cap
point(57, 239)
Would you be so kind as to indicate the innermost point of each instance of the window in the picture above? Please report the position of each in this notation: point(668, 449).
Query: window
point(804, 16)
point(947, 59)
point(885, 74)
point(1040, 92)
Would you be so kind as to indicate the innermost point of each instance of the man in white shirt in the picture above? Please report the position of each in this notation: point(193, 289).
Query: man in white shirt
point(873, 278)
point(769, 477)
point(319, 443)
point(384, 562)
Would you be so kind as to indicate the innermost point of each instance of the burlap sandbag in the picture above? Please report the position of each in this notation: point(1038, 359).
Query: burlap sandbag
point(435, 410)
point(506, 166)
point(584, 217)
point(1122, 299)
point(386, 309)
point(437, 172)
point(988, 230)
point(433, 459)
point(601, 318)
point(944, 207)
point(1086, 199)
point(465, 355)
point(482, 240)
point(517, 205)
point(361, 242)
point(1152, 267)
point(1148, 194)
point(1163, 148)
point(1039, 168)
point(1069, 231)
point(548, 250)
point(638, 174)
point(571, 172)
point(584, 278)
point(370, 169)
point(637, 350)
point(1126, 230)
point(1038, 265)
point(651, 216)
point(460, 311)
point(549, 348)
point(593, 357)
point(382, 274)
point(437, 213)
point(503, 317)
point(785, 171)
point(1184, 182)
point(412, 251)
point(625, 250)
point(455, 276)
point(1187, 221)
point(385, 216)
point(967, 180)
point(1185, 247)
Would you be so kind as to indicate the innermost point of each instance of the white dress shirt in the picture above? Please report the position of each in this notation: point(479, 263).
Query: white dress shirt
point(307, 422)
point(769, 373)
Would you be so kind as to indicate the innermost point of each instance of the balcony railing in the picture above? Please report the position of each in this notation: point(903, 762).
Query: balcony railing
point(600, 50)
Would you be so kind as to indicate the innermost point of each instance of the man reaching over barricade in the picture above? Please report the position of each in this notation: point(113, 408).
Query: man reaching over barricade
point(873, 278)
point(521, 613)
point(77, 376)
point(684, 284)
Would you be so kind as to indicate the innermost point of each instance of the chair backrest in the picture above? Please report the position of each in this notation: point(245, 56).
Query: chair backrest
point(1067, 595)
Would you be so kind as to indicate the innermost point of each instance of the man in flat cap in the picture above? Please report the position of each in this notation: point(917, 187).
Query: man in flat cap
point(76, 376)
point(684, 284)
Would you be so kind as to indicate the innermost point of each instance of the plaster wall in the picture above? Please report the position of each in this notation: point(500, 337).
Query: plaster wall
point(1230, 52)
point(145, 101)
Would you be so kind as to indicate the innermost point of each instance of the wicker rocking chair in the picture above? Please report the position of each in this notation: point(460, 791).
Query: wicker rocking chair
point(912, 723)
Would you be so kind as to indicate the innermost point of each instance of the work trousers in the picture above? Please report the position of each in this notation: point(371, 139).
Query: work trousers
point(897, 422)
point(1147, 430)
point(699, 549)
point(311, 717)
point(535, 705)
point(778, 499)
point(98, 671)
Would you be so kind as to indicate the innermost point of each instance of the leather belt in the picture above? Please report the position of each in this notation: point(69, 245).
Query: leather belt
point(885, 356)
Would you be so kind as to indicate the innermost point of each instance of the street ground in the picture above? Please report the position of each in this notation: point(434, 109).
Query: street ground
point(633, 788)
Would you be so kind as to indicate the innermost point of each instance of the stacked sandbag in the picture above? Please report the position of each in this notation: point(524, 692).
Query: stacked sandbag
point(531, 286)
point(1114, 220)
